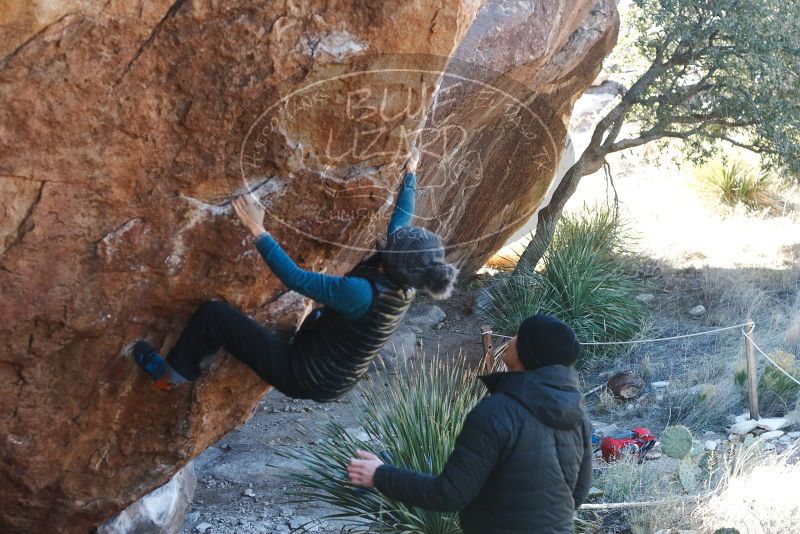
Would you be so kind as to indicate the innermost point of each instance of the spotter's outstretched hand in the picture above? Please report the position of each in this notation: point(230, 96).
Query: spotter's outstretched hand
point(250, 213)
point(362, 472)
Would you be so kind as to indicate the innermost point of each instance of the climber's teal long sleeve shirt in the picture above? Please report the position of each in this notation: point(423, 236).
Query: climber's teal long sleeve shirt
point(349, 295)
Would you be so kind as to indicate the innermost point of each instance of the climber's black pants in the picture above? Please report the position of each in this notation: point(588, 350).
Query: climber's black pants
point(216, 324)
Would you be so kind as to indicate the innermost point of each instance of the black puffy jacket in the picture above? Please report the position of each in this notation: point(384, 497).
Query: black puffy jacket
point(522, 463)
point(330, 353)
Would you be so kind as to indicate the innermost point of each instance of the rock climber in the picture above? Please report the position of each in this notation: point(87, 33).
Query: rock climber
point(523, 460)
point(337, 341)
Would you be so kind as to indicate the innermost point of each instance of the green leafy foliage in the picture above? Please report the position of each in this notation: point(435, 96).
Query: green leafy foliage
point(413, 420)
point(584, 281)
point(676, 442)
point(710, 70)
point(705, 73)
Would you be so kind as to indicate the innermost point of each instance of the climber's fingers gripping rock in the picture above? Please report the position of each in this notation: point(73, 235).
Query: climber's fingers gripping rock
point(413, 160)
point(250, 213)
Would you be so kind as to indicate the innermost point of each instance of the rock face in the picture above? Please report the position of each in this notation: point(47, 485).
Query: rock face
point(496, 180)
point(127, 127)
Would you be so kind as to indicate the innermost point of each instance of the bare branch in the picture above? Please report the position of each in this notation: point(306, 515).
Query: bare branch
point(633, 142)
point(750, 147)
point(711, 120)
point(652, 135)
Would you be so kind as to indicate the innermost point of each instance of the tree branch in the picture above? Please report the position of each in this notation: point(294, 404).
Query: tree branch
point(628, 99)
point(750, 147)
point(711, 120)
point(613, 132)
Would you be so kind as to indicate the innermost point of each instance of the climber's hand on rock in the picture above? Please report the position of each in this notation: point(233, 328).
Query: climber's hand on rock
point(250, 213)
point(362, 472)
point(413, 160)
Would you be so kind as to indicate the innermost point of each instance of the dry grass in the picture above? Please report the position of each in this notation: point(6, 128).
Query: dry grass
point(750, 489)
point(734, 182)
point(629, 481)
point(792, 335)
point(684, 226)
point(758, 494)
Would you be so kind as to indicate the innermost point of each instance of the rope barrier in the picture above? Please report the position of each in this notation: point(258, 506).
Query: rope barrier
point(639, 504)
point(654, 340)
point(770, 360)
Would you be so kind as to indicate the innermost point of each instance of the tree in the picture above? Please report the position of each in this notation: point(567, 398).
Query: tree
point(713, 71)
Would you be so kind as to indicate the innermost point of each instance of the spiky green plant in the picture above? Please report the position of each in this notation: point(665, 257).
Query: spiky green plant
point(735, 182)
point(777, 392)
point(584, 280)
point(411, 421)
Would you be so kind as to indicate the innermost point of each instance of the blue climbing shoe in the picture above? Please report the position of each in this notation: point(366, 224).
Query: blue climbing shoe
point(151, 362)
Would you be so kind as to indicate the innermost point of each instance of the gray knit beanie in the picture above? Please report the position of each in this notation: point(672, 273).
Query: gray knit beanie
point(414, 257)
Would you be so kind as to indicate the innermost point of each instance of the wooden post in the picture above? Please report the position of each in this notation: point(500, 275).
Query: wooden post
point(752, 380)
point(488, 347)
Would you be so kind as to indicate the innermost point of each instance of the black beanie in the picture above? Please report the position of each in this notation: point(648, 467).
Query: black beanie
point(546, 340)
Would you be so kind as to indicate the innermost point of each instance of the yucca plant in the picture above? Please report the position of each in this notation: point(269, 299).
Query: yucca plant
point(411, 421)
point(777, 392)
point(735, 182)
point(583, 280)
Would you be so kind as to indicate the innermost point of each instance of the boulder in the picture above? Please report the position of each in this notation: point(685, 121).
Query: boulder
point(697, 311)
point(772, 434)
point(744, 427)
point(772, 423)
point(625, 385)
point(400, 347)
point(161, 511)
point(424, 316)
point(553, 67)
point(742, 417)
point(128, 127)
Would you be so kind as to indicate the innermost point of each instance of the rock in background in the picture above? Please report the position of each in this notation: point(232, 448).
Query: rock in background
point(125, 130)
point(161, 511)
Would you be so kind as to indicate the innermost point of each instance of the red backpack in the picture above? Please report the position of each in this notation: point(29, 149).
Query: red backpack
point(637, 442)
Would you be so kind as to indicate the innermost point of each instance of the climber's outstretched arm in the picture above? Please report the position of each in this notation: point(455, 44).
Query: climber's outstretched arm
point(350, 296)
point(405, 205)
